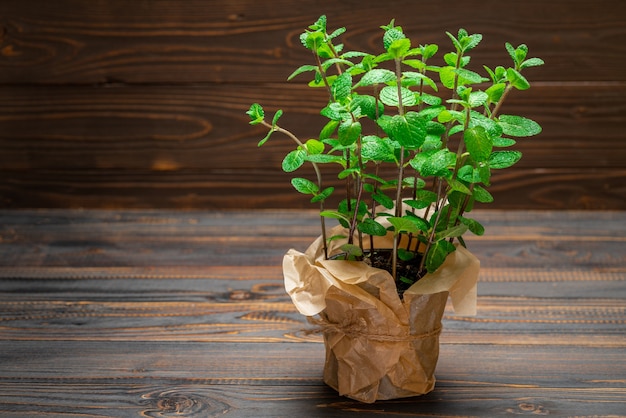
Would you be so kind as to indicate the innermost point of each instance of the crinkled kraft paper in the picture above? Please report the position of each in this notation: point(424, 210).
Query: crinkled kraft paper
point(377, 345)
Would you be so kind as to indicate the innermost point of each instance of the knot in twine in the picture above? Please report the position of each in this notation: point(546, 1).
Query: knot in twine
point(356, 330)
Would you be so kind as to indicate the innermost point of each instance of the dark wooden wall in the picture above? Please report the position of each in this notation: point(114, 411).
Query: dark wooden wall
point(139, 104)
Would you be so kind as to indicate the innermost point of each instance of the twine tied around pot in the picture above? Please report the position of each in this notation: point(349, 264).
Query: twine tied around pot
point(359, 329)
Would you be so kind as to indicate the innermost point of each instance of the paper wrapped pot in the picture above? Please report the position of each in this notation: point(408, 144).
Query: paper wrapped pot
point(377, 345)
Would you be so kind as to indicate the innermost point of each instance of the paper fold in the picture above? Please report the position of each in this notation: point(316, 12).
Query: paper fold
point(308, 276)
point(377, 345)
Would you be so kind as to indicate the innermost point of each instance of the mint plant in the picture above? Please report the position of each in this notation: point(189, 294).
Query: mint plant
point(415, 143)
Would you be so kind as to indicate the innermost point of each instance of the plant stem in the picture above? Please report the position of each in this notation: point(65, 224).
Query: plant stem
point(432, 233)
point(318, 174)
point(355, 215)
point(359, 192)
point(323, 74)
point(496, 109)
point(398, 211)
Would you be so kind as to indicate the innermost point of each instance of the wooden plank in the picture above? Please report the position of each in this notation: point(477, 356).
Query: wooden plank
point(166, 41)
point(167, 129)
point(541, 188)
point(63, 241)
point(253, 317)
point(110, 104)
point(121, 336)
point(150, 378)
point(174, 397)
point(156, 147)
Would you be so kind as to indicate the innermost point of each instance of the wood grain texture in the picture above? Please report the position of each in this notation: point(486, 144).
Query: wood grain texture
point(174, 147)
point(158, 313)
point(163, 41)
point(111, 104)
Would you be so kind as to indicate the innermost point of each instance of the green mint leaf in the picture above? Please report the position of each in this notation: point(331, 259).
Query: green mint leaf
point(372, 227)
point(344, 174)
point(474, 226)
point(453, 232)
point(377, 76)
point(492, 127)
point(336, 33)
point(469, 77)
point(455, 42)
point(429, 50)
point(336, 237)
point(342, 87)
point(416, 204)
point(294, 160)
point(413, 63)
point(511, 50)
point(423, 199)
point(330, 62)
point(368, 105)
point(320, 24)
point(402, 225)
point(415, 78)
point(478, 143)
point(329, 129)
point(408, 130)
point(277, 116)
point(516, 79)
point(421, 223)
point(520, 54)
point(470, 42)
point(312, 40)
point(334, 111)
point(313, 146)
point(485, 174)
point(256, 113)
point(405, 255)
point(304, 186)
point(482, 195)
point(356, 54)
point(389, 96)
point(531, 62)
point(349, 132)
point(504, 159)
point(518, 126)
point(450, 58)
point(447, 75)
point(323, 195)
point(399, 48)
point(495, 92)
point(377, 149)
point(392, 34)
point(491, 74)
point(383, 200)
point(324, 158)
point(302, 69)
point(503, 142)
point(266, 138)
point(445, 116)
point(437, 163)
point(457, 186)
point(477, 98)
point(353, 252)
point(468, 175)
point(343, 219)
point(437, 254)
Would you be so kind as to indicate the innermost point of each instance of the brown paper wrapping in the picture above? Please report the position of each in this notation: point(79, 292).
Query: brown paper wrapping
point(377, 345)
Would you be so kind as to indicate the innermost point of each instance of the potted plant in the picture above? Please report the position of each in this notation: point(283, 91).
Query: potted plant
point(415, 144)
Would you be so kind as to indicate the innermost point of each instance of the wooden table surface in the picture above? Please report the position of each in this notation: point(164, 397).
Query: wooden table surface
point(166, 313)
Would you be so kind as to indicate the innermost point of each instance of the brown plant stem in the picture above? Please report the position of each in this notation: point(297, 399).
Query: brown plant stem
point(318, 174)
point(398, 211)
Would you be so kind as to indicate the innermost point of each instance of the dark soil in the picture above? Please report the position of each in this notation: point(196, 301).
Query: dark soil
point(409, 270)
